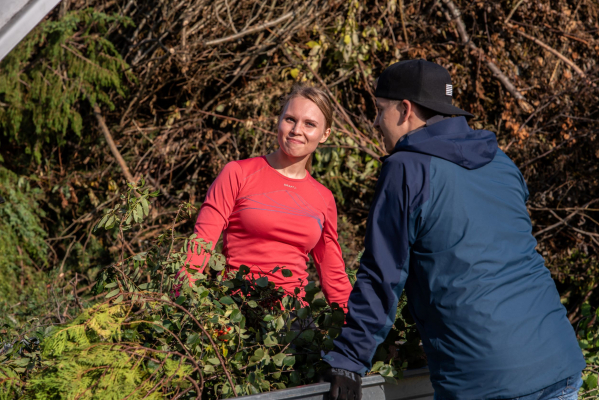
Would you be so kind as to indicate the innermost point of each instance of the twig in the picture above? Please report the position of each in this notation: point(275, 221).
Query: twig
point(249, 31)
point(565, 220)
point(551, 50)
point(526, 164)
point(573, 228)
point(234, 119)
point(403, 23)
point(513, 11)
point(457, 16)
point(111, 144)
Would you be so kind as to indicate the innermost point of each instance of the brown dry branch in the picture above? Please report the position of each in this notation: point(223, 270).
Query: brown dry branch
point(113, 149)
point(466, 40)
point(563, 221)
point(249, 31)
point(551, 50)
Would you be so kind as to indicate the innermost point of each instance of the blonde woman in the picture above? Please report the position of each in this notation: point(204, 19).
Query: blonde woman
point(272, 212)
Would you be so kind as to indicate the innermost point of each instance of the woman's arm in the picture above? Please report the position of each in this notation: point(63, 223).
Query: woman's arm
point(214, 214)
point(329, 262)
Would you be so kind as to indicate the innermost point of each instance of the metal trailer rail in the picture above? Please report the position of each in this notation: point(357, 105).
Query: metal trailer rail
point(414, 385)
point(18, 18)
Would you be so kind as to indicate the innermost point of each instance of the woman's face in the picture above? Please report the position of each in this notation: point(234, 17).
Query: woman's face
point(301, 127)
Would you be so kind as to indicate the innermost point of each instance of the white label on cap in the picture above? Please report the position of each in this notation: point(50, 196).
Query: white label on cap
point(448, 90)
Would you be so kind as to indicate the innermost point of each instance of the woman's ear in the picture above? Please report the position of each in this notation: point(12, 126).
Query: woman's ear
point(325, 136)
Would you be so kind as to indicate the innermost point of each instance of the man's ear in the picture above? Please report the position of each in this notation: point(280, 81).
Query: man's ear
point(326, 135)
point(407, 108)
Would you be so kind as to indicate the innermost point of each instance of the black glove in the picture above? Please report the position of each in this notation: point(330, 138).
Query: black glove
point(345, 385)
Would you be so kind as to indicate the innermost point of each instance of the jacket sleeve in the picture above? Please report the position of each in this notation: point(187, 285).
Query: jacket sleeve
point(214, 215)
point(329, 261)
point(382, 274)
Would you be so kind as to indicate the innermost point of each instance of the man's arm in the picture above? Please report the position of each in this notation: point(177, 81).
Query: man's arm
point(383, 269)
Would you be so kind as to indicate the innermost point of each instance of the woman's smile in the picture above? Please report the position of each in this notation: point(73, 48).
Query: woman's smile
point(294, 141)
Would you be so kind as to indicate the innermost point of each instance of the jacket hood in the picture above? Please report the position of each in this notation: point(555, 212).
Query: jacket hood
point(453, 140)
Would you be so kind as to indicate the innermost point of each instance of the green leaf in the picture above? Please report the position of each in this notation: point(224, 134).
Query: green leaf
point(236, 316)
point(338, 317)
point(180, 300)
point(217, 262)
point(102, 221)
point(268, 318)
point(280, 323)
point(377, 366)
point(110, 222)
point(302, 313)
point(258, 355)
point(591, 381)
point(270, 339)
point(113, 293)
point(308, 335)
point(22, 362)
point(252, 304)
point(294, 377)
point(319, 303)
point(386, 370)
point(262, 282)
point(244, 269)
point(290, 336)
point(146, 206)
point(214, 361)
point(227, 300)
point(278, 359)
point(289, 361)
point(287, 273)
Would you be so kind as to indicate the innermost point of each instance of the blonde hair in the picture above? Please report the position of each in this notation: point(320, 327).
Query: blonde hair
point(316, 96)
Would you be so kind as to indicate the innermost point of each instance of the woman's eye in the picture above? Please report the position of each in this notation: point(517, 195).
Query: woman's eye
point(310, 124)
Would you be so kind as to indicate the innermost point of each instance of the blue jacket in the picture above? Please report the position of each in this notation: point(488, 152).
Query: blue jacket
point(449, 222)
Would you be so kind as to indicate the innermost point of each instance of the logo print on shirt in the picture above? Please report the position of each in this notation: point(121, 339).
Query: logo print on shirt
point(282, 201)
point(292, 187)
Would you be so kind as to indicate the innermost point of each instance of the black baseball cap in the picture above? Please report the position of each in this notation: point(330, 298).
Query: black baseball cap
point(422, 82)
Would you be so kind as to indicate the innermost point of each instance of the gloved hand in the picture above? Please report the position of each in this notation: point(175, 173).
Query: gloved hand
point(345, 385)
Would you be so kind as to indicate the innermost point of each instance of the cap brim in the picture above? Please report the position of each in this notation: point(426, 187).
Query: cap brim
point(443, 108)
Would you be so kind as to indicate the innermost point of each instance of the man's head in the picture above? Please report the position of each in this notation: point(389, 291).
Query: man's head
point(395, 118)
point(410, 92)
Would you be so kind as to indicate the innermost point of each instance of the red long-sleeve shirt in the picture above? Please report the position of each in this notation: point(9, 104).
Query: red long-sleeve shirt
point(271, 220)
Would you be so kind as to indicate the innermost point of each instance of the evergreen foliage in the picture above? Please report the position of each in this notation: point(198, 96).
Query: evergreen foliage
point(22, 246)
point(46, 77)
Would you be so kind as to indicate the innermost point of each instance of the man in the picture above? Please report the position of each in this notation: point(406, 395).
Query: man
point(449, 222)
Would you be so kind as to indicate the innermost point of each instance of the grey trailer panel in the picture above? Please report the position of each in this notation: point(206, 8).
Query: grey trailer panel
point(415, 385)
point(18, 18)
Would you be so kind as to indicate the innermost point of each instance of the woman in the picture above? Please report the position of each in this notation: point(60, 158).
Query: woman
point(272, 212)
